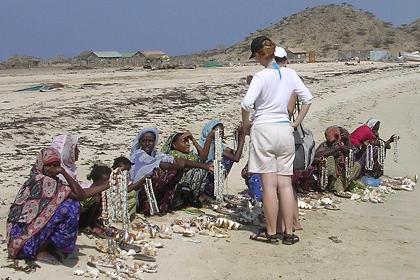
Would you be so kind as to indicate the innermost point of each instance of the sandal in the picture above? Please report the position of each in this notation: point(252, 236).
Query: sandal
point(290, 239)
point(263, 236)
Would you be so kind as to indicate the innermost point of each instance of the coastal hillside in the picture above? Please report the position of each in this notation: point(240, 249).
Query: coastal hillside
point(326, 29)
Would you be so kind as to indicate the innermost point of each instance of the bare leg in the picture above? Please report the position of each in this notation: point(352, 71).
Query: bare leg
point(270, 201)
point(287, 201)
point(296, 223)
point(280, 220)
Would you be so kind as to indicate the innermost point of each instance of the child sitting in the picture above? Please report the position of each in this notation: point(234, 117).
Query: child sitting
point(91, 207)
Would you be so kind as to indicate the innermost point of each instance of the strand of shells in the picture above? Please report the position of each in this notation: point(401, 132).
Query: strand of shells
point(323, 178)
point(381, 155)
point(219, 172)
point(153, 206)
point(396, 139)
point(114, 200)
point(369, 157)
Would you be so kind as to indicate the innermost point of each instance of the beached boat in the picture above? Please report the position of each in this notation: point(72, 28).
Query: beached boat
point(411, 56)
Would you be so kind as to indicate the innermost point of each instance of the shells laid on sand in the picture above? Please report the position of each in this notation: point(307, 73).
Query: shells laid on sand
point(303, 205)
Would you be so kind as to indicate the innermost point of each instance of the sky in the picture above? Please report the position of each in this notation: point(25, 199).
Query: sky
point(47, 28)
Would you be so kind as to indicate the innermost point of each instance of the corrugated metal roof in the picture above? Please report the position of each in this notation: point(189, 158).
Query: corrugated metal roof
point(128, 54)
point(153, 53)
point(107, 54)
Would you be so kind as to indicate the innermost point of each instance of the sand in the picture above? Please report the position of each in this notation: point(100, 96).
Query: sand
point(379, 241)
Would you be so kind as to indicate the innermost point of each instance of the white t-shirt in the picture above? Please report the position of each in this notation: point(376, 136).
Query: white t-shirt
point(269, 95)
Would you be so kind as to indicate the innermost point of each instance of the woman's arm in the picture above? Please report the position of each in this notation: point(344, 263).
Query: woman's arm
point(137, 185)
point(236, 155)
point(200, 150)
point(246, 123)
point(95, 189)
point(302, 113)
point(76, 190)
point(185, 163)
point(205, 151)
point(321, 151)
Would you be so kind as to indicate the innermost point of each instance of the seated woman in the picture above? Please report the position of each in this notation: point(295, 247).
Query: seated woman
point(164, 170)
point(367, 134)
point(67, 145)
point(44, 217)
point(334, 151)
point(191, 186)
point(229, 156)
point(91, 208)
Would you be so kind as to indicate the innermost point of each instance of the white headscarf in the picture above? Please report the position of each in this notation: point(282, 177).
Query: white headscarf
point(371, 122)
point(66, 144)
point(144, 164)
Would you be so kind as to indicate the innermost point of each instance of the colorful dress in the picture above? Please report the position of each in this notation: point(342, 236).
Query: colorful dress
point(42, 213)
point(164, 181)
point(193, 180)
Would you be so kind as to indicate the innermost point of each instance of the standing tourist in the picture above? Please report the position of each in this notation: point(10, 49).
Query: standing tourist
point(272, 145)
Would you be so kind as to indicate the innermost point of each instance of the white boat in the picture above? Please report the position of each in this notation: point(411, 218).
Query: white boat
point(411, 56)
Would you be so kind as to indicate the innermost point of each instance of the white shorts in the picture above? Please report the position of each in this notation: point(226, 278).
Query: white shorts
point(272, 149)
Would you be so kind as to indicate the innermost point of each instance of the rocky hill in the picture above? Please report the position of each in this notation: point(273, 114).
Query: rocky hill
point(326, 29)
point(414, 30)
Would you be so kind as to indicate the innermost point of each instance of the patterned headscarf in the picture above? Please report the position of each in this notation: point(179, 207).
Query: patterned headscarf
point(36, 201)
point(167, 149)
point(66, 144)
point(208, 127)
point(144, 164)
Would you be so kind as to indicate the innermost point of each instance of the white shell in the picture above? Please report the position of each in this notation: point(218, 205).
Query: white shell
point(92, 272)
point(304, 205)
point(326, 201)
point(78, 272)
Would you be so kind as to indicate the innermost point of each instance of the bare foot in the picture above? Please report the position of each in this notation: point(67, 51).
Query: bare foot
point(47, 258)
point(297, 225)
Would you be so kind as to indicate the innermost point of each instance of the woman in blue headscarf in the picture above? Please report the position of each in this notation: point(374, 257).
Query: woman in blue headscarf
point(229, 155)
point(163, 169)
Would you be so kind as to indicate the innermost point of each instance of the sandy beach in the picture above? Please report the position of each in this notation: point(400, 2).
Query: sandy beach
point(106, 107)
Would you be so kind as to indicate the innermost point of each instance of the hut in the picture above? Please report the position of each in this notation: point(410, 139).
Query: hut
point(18, 61)
point(296, 55)
point(104, 58)
point(152, 59)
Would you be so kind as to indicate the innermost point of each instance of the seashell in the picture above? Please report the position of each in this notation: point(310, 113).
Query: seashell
point(78, 272)
point(355, 196)
point(233, 225)
point(178, 229)
point(149, 268)
point(304, 205)
point(92, 272)
point(156, 245)
point(188, 233)
point(149, 250)
point(153, 232)
point(165, 233)
point(220, 222)
point(326, 201)
point(131, 252)
point(140, 236)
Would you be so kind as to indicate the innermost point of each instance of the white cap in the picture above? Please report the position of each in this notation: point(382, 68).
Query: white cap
point(280, 52)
